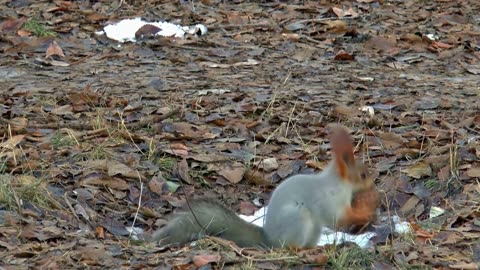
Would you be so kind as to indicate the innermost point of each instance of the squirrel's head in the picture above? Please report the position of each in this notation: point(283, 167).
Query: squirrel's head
point(349, 169)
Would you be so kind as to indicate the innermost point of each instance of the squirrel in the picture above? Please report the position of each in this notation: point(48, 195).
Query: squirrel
point(298, 210)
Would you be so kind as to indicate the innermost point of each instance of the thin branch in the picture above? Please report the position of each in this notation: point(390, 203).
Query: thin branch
point(139, 204)
point(152, 119)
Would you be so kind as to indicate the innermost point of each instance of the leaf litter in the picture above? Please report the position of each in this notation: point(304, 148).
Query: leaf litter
point(84, 122)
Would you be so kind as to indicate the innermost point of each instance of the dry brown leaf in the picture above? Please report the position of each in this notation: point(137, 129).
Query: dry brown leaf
point(346, 111)
point(247, 208)
point(98, 180)
point(54, 49)
point(84, 97)
point(386, 44)
point(156, 184)
point(474, 172)
point(268, 164)
point(344, 13)
point(184, 171)
point(18, 123)
point(342, 55)
point(146, 31)
point(444, 173)
point(410, 204)
point(465, 266)
point(63, 110)
point(80, 211)
point(232, 172)
point(418, 170)
point(201, 260)
point(100, 233)
point(117, 168)
point(386, 164)
point(13, 24)
point(336, 26)
point(11, 143)
point(391, 140)
point(258, 178)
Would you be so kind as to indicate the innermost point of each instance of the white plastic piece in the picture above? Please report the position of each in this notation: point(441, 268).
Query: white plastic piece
point(368, 109)
point(432, 37)
point(436, 211)
point(136, 232)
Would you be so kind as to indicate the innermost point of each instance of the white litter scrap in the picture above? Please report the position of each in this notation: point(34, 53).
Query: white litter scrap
point(367, 109)
point(124, 30)
point(329, 236)
point(212, 91)
point(136, 232)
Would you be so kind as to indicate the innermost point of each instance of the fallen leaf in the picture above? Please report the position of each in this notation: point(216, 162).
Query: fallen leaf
point(156, 184)
point(201, 260)
point(18, 123)
point(268, 164)
point(116, 167)
point(247, 208)
point(103, 181)
point(63, 110)
point(391, 140)
point(465, 266)
point(410, 204)
point(54, 49)
point(344, 56)
point(418, 170)
point(474, 172)
point(147, 31)
point(232, 172)
point(344, 13)
point(100, 232)
point(184, 172)
point(11, 143)
point(12, 25)
point(257, 177)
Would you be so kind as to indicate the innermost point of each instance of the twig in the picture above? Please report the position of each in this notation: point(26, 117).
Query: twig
point(226, 26)
point(472, 130)
point(139, 204)
point(190, 208)
point(119, 6)
point(311, 39)
point(70, 206)
point(239, 252)
point(321, 20)
point(152, 119)
point(83, 126)
point(82, 59)
point(94, 134)
point(76, 126)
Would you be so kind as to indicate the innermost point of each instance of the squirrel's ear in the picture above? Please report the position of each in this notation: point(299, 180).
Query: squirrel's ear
point(342, 148)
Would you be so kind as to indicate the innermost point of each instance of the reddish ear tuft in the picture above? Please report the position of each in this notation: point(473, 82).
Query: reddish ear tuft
point(342, 148)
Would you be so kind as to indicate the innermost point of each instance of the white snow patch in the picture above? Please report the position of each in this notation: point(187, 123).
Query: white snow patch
point(329, 236)
point(124, 30)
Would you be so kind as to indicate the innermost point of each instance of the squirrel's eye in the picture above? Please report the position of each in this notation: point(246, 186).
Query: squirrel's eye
point(363, 175)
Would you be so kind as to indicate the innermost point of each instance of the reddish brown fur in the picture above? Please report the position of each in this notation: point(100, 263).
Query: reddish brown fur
point(342, 147)
point(364, 205)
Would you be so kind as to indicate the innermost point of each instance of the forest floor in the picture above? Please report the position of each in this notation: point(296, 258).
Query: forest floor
point(97, 135)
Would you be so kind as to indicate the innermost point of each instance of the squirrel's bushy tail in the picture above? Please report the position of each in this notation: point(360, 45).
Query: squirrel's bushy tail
point(211, 218)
